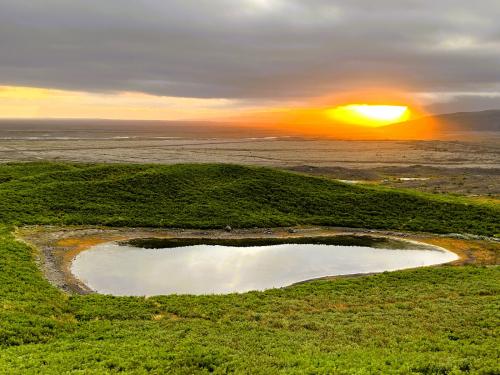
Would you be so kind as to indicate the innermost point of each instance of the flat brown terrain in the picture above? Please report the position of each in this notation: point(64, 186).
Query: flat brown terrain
point(473, 182)
point(279, 152)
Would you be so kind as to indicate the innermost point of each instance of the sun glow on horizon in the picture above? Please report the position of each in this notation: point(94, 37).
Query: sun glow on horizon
point(369, 115)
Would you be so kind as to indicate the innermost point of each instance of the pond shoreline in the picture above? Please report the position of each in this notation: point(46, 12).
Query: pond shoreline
point(56, 247)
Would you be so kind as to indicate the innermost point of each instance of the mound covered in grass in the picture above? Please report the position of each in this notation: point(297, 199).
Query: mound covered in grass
point(213, 196)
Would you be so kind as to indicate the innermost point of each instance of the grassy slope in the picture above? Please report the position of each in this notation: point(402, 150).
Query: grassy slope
point(433, 320)
point(212, 196)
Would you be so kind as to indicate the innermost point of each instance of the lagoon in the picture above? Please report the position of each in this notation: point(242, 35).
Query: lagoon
point(122, 269)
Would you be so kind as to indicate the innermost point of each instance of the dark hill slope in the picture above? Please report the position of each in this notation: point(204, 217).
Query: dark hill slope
point(446, 124)
point(212, 196)
point(472, 121)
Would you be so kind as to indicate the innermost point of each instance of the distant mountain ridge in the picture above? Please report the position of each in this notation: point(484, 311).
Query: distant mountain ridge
point(445, 126)
point(465, 121)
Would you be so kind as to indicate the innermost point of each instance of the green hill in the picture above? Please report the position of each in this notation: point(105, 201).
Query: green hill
point(436, 320)
point(215, 195)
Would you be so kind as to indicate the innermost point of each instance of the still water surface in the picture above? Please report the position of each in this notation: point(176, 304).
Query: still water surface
point(116, 269)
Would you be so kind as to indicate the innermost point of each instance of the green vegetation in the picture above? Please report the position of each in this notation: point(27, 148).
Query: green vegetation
point(433, 320)
point(439, 320)
point(213, 196)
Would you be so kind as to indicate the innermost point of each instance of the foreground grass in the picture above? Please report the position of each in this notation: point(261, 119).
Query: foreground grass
point(213, 196)
point(438, 320)
point(433, 320)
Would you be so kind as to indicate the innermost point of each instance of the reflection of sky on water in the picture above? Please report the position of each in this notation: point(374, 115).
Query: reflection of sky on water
point(202, 269)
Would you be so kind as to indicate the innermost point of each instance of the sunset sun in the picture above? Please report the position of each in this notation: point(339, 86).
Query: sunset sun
point(369, 115)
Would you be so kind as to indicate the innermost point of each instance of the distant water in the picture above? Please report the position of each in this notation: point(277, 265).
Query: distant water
point(206, 269)
point(68, 130)
point(55, 137)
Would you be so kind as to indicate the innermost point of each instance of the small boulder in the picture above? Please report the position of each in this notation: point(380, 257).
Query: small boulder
point(228, 228)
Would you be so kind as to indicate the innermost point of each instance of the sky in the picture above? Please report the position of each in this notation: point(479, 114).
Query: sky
point(201, 59)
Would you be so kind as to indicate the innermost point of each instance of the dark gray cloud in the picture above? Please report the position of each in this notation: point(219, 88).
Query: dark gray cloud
point(249, 49)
